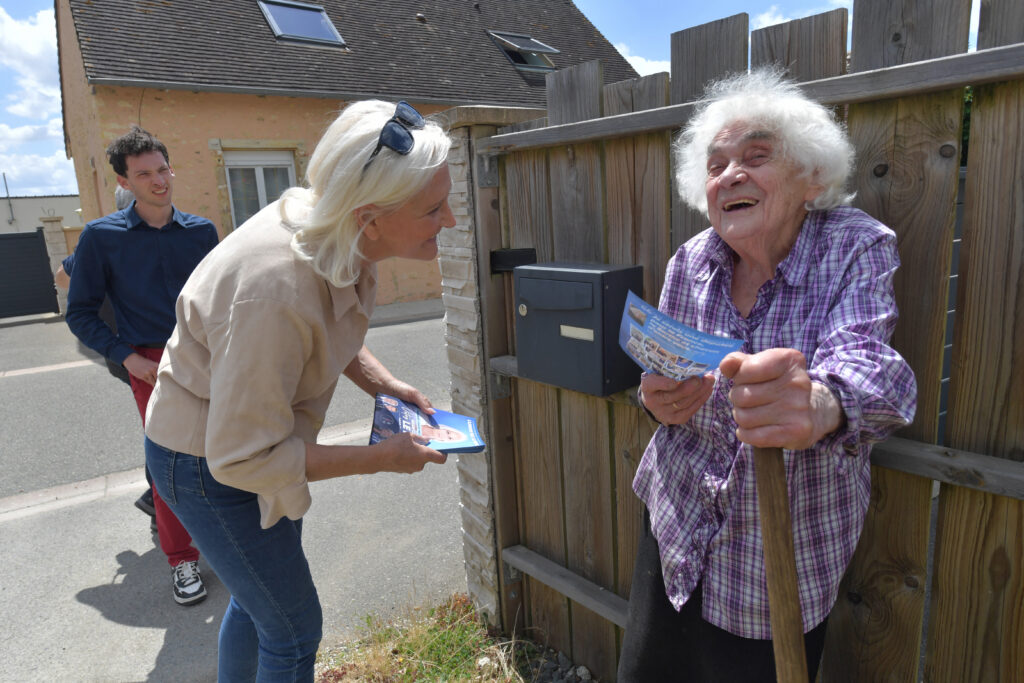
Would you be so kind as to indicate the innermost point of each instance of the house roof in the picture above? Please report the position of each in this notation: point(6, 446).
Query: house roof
point(227, 45)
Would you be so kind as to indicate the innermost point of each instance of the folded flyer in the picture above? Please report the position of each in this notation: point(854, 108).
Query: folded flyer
point(661, 344)
point(448, 432)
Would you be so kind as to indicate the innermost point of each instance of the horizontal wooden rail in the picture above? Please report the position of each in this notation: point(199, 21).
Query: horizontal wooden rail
point(916, 78)
point(949, 465)
point(962, 468)
point(575, 587)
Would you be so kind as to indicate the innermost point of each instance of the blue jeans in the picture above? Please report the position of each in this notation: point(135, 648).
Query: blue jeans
point(272, 627)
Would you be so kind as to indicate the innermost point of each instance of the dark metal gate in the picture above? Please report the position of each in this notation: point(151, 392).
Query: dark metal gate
point(26, 283)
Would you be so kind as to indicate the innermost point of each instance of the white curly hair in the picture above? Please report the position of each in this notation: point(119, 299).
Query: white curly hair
point(805, 133)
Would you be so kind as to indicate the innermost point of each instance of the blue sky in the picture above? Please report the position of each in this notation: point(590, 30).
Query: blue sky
point(31, 131)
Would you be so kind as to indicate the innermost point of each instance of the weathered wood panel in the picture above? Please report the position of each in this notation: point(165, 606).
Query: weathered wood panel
point(526, 202)
point(1000, 23)
point(907, 153)
point(638, 195)
point(581, 591)
point(808, 49)
point(541, 504)
point(620, 162)
point(526, 210)
point(906, 176)
point(918, 78)
point(577, 188)
point(699, 55)
point(978, 594)
point(577, 209)
point(893, 32)
point(497, 341)
point(707, 51)
point(586, 458)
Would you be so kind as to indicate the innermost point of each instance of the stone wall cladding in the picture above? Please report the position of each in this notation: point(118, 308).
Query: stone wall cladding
point(464, 338)
point(57, 250)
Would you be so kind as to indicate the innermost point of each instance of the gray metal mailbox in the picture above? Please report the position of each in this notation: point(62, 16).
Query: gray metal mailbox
point(567, 325)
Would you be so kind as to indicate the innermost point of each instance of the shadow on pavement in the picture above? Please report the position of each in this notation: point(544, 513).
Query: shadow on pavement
point(189, 651)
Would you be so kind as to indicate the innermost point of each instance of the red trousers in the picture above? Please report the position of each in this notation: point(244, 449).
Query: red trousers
point(174, 540)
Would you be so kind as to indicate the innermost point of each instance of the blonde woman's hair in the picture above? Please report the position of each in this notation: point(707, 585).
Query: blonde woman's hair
point(806, 133)
point(327, 234)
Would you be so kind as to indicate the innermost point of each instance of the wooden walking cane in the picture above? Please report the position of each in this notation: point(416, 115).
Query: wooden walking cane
point(780, 566)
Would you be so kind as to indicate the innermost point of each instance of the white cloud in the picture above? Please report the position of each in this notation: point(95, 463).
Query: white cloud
point(643, 66)
point(34, 100)
point(773, 16)
point(34, 174)
point(29, 49)
point(769, 18)
point(13, 136)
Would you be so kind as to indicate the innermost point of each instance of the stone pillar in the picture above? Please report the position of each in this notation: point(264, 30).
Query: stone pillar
point(457, 251)
point(460, 292)
point(57, 250)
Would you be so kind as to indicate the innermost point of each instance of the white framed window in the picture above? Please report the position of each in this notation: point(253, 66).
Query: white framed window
point(256, 178)
point(300, 21)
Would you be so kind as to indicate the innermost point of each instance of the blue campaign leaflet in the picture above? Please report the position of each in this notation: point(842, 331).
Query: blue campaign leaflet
point(448, 432)
point(663, 345)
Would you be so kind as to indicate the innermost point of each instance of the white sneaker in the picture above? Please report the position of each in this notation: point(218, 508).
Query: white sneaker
point(188, 584)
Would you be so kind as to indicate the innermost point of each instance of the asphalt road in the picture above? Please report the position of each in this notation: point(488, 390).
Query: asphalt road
point(65, 419)
point(86, 594)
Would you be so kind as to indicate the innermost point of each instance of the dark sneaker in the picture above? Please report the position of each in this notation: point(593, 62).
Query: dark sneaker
point(145, 503)
point(188, 585)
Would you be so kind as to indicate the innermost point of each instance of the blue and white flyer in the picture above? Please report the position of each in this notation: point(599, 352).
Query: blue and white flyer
point(448, 432)
point(663, 345)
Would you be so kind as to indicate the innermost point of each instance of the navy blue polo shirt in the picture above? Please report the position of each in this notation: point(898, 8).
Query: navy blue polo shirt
point(142, 269)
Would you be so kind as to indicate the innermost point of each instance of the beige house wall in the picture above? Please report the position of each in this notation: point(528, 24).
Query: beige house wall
point(197, 127)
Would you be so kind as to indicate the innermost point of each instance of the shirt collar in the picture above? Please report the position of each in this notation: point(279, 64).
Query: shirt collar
point(794, 267)
point(134, 220)
point(361, 294)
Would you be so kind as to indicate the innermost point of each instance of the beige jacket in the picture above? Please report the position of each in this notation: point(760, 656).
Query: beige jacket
point(252, 364)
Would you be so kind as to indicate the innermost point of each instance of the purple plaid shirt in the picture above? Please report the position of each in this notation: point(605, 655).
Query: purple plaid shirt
point(832, 299)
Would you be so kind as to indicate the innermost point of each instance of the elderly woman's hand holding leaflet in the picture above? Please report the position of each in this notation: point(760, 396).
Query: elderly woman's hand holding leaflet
point(266, 325)
point(806, 284)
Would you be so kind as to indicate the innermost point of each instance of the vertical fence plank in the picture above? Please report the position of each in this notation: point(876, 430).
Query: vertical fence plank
point(541, 505)
point(586, 457)
point(577, 192)
point(638, 195)
point(708, 51)
point(527, 214)
point(701, 54)
point(577, 200)
point(809, 48)
point(632, 432)
point(977, 621)
point(620, 162)
point(494, 308)
point(893, 32)
point(653, 180)
point(906, 176)
point(526, 202)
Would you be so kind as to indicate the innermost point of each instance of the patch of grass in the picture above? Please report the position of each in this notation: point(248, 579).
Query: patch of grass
point(447, 643)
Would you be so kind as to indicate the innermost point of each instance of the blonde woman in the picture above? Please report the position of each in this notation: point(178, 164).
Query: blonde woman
point(265, 327)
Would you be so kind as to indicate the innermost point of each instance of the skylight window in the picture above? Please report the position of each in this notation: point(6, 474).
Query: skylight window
point(526, 53)
point(300, 21)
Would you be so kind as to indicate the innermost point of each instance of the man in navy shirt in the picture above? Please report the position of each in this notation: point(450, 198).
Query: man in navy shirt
point(140, 258)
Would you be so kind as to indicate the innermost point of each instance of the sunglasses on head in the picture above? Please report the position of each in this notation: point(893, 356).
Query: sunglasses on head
point(397, 132)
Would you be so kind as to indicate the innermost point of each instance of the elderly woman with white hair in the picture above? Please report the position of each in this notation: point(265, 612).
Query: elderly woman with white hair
point(807, 285)
point(266, 324)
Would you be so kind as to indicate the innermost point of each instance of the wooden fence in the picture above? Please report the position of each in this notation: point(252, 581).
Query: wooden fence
point(593, 183)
